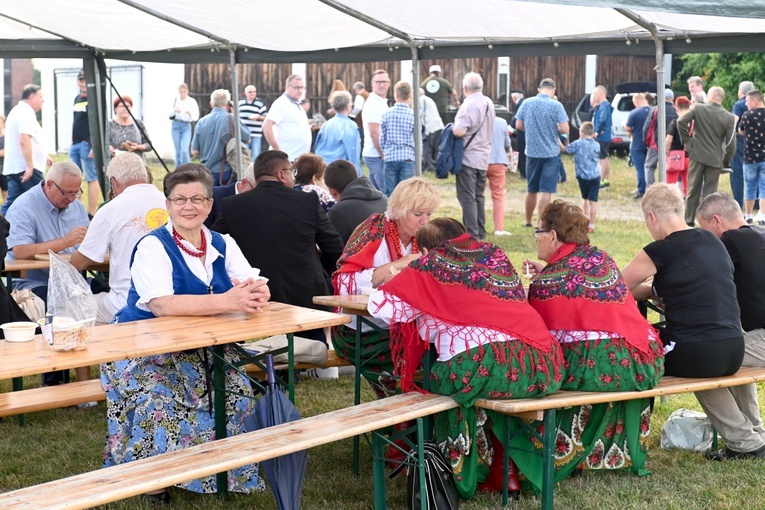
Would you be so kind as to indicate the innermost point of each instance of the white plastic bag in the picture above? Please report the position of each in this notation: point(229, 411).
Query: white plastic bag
point(71, 307)
point(687, 430)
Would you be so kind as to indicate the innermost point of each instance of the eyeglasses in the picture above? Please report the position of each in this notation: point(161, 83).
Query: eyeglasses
point(68, 194)
point(292, 170)
point(538, 231)
point(196, 200)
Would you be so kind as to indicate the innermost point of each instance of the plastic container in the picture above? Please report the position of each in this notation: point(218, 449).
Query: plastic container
point(19, 331)
point(66, 334)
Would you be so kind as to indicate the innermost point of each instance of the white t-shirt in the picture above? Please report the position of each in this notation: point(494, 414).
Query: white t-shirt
point(291, 128)
point(115, 229)
point(22, 120)
point(373, 110)
point(186, 105)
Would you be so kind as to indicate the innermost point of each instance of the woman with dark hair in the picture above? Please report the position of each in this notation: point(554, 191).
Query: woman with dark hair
point(310, 178)
point(607, 346)
point(162, 403)
point(674, 143)
point(124, 134)
point(465, 297)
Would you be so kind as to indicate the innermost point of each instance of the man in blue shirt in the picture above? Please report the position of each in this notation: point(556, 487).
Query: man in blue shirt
point(544, 120)
point(638, 149)
point(397, 138)
point(602, 122)
point(339, 138)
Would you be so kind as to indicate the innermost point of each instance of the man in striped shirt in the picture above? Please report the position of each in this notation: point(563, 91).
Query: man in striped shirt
point(252, 113)
point(397, 138)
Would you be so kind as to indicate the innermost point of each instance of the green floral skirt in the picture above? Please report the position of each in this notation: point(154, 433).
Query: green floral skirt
point(601, 436)
point(477, 373)
point(376, 361)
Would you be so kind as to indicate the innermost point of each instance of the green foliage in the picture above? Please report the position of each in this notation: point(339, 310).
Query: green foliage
point(724, 70)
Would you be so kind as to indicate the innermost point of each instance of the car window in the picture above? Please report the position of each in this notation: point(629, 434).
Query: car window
point(625, 104)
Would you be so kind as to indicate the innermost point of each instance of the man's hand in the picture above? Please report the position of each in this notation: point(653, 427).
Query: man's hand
point(27, 174)
point(75, 236)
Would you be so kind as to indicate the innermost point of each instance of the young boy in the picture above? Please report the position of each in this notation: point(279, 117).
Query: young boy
point(586, 152)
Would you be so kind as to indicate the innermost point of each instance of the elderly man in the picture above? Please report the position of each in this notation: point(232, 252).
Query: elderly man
point(696, 89)
point(544, 120)
point(737, 165)
point(439, 90)
point(602, 123)
point(711, 147)
point(284, 246)
point(397, 138)
point(474, 123)
point(137, 208)
point(734, 412)
point(207, 142)
point(48, 217)
point(220, 192)
point(339, 138)
point(25, 156)
point(80, 151)
point(286, 126)
point(356, 198)
point(374, 107)
point(252, 113)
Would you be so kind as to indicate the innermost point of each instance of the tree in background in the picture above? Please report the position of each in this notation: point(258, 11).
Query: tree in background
point(724, 70)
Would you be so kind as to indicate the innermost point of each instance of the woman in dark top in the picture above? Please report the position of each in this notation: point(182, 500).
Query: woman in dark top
point(682, 105)
point(693, 275)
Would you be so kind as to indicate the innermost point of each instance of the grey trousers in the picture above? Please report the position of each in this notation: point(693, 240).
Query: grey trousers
point(649, 169)
point(734, 412)
point(470, 187)
point(702, 181)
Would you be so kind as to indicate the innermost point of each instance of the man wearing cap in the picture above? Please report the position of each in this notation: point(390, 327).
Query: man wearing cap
point(439, 90)
point(80, 152)
point(651, 142)
point(543, 119)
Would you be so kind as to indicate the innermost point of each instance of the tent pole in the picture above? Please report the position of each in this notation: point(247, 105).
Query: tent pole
point(235, 99)
point(416, 108)
point(661, 122)
point(96, 116)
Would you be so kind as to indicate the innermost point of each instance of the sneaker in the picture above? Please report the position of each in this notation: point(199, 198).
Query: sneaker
point(322, 373)
point(759, 219)
point(86, 405)
point(527, 225)
point(604, 184)
point(590, 230)
point(637, 196)
point(502, 233)
point(728, 454)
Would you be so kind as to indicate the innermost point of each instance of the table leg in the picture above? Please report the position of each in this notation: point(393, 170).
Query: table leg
point(505, 460)
point(378, 470)
point(291, 366)
point(357, 393)
point(421, 464)
point(548, 459)
point(18, 385)
point(219, 392)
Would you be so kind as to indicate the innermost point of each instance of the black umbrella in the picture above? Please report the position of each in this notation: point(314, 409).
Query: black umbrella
point(285, 474)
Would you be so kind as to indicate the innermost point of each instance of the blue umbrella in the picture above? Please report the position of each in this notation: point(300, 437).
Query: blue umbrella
point(285, 474)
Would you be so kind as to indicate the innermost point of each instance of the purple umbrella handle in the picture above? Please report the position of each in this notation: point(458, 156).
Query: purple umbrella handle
point(270, 372)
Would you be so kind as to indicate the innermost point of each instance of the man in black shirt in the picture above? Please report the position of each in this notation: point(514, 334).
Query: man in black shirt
point(735, 411)
point(80, 151)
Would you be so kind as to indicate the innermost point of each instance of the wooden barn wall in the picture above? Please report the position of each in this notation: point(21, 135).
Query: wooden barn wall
point(613, 70)
point(454, 70)
point(320, 77)
point(567, 71)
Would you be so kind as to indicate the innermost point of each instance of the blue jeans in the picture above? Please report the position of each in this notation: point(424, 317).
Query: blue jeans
point(181, 140)
point(395, 172)
point(638, 159)
point(754, 176)
point(255, 145)
point(737, 176)
point(79, 153)
point(376, 173)
point(16, 188)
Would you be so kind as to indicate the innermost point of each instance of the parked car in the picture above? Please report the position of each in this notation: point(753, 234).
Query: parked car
point(622, 106)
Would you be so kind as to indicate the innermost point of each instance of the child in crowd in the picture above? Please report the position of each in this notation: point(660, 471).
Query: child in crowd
point(586, 152)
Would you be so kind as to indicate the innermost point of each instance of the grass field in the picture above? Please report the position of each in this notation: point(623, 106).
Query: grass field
point(60, 443)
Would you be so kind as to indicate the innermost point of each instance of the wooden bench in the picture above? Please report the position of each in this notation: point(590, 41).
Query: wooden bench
point(50, 397)
point(544, 409)
point(333, 360)
point(133, 478)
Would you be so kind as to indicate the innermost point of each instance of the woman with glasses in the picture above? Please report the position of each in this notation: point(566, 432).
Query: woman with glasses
point(465, 297)
point(607, 345)
point(163, 403)
point(124, 134)
point(379, 248)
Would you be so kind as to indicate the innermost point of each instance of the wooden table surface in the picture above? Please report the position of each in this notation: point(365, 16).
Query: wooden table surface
point(16, 266)
point(115, 342)
point(356, 305)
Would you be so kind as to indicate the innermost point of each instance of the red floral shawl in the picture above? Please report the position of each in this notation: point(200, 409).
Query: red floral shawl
point(581, 289)
point(466, 284)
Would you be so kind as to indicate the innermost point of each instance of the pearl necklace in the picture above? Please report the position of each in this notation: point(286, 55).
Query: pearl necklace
point(189, 248)
point(393, 232)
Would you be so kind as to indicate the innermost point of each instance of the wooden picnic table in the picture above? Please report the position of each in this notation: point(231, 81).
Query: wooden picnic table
point(114, 342)
point(15, 268)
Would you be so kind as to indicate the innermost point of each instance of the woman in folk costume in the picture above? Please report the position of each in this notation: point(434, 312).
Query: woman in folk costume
point(465, 297)
point(378, 249)
point(607, 346)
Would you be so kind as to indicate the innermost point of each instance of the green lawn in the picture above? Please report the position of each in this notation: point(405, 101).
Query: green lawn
point(60, 443)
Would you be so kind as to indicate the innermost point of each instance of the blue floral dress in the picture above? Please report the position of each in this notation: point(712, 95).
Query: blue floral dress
point(161, 403)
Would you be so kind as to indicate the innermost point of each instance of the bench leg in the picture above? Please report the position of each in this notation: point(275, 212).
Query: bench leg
point(219, 392)
point(357, 392)
point(18, 385)
point(291, 366)
point(421, 464)
point(378, 470)
point(505, 460)
point(548, 459)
